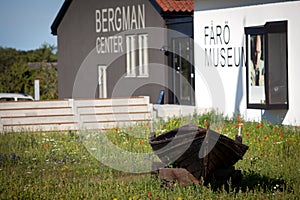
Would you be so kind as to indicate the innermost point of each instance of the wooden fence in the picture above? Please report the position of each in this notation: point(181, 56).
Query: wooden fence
point(73, 114)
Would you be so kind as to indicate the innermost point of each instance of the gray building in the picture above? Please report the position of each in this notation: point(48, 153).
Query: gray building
point(125, 48)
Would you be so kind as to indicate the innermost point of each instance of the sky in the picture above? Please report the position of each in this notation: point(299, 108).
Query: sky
point(25, 24)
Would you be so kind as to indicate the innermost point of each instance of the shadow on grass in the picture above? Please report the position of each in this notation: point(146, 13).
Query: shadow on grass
point(252, 180)
point(248, 181)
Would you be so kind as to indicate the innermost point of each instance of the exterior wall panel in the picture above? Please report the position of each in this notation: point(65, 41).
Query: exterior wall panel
point(220, 83)
point(77, 38)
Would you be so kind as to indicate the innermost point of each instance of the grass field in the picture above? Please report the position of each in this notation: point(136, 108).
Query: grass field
point(56, 165)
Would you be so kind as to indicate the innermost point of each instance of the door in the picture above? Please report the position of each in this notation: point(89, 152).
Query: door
point(102, 81)
point(183, 71)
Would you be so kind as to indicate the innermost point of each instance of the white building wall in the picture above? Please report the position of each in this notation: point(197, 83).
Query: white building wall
point(223, 87)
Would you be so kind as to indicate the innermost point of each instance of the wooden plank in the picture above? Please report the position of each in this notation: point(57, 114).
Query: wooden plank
point(112, 102)
point(110, 110)
point(38, 120)
point(34, 105)
point(180, 175)
point(36, 112)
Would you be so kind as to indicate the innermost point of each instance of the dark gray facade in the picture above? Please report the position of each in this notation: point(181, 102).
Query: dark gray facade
point(93, 34)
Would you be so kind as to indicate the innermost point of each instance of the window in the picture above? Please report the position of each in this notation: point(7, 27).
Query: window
point(137, 52)
point(130, 56)
point(143, 55)
point(102, 81)
point(267, 78)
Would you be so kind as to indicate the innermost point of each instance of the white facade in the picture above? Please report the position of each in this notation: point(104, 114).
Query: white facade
point(220, 54)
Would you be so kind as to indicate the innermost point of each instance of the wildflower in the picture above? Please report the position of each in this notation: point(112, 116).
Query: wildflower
point(206, 123)
point(238, 118)
point(131, 128)
point(284, 158)
point(141, 142)
point(218, 128)
point(265, 137)
point(223, 124)
point(115, 199)
point(281, 132)
point(117, 129)
point(260, 125)
point(44, 145)
point(247, 134)
point(149, 195)
point(179, 198)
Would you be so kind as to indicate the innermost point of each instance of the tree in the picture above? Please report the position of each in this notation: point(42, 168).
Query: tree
point(17, 77)
point(46, 53)
point(48, 81)
point(8, 57)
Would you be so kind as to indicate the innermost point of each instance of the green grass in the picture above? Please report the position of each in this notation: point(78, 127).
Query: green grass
point(56, 165)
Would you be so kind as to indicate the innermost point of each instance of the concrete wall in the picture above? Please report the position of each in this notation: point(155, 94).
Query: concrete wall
point(224, 87)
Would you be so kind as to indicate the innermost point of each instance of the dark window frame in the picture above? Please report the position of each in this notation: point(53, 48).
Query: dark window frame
point(268, 28)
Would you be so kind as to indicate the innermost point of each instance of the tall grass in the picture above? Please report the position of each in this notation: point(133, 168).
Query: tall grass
point(56, 165)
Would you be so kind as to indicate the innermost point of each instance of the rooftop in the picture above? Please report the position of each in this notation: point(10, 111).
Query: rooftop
point(176, 5)
point(172, 7)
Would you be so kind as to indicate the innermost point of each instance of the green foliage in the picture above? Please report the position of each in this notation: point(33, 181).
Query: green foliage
point(48, 81)
point(46, 53)
point(59, 166)
point(17, 77)
point(8, 57)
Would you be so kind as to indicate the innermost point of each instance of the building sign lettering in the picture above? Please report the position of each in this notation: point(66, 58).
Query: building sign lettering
point(218, 49)
point(117, 19)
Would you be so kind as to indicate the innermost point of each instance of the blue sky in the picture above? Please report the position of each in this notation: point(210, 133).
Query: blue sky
point(25, 24)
